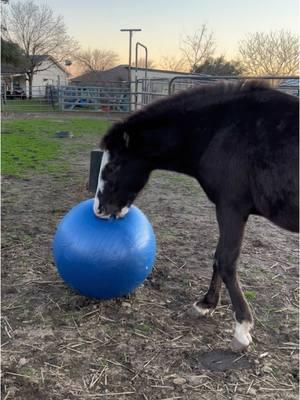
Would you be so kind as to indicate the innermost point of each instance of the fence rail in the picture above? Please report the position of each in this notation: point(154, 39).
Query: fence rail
point(181, 83)
point(119, 96)
point(44, 98)
point(95, 98)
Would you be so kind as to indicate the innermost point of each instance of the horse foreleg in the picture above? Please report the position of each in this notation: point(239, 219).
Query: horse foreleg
point(212, 297)
point(231, 225)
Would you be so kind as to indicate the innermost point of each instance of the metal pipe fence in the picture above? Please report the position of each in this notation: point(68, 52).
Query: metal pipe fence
point(119, 97)
point(114, 98)
point(149, 90)
point(178, 83)
point(44, 99)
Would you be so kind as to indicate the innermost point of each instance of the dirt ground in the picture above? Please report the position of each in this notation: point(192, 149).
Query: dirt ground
point(58, 345)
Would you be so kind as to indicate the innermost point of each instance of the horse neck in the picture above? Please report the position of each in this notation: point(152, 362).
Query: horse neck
point(178, 160)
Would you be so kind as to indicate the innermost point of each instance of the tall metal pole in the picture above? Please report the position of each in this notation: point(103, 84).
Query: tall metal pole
point(130, 46)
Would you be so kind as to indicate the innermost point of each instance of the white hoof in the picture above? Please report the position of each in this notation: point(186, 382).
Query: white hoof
point(242, 338)
point(201, 310)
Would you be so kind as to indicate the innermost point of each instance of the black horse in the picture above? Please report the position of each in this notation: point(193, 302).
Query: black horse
point(240, 141)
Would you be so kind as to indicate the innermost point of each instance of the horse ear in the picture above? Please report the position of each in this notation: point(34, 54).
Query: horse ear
point(126, 139)
point(114, 138)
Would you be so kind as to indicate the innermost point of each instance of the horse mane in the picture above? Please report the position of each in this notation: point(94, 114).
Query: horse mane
point(190, 100)
point(222, 89)
point(195, 98)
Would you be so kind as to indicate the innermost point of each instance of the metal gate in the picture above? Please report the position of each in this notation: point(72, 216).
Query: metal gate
point(288, 84)
point(108, 96)
point(124, 97)
point(149, 90)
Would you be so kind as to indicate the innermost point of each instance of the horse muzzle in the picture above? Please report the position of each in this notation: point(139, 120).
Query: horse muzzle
point(106, 212)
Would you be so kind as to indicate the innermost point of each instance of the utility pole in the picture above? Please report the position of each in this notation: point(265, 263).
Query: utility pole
point(130, 46)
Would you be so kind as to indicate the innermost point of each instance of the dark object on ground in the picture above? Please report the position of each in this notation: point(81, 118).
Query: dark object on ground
point(64, 134)
point(16, 94)
point(218, 360)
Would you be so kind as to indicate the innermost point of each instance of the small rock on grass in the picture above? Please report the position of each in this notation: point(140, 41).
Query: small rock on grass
point(195, 379)
point(251, 392)
point(267, 369)
point(22, 362)
point(179, 381)
point(126, 304)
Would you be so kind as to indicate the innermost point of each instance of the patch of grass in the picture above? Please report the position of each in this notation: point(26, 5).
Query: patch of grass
point(22, 152)
point(186, 283)
point(34, 105)
point(167, 234)
point(145, 328)
point(28, 371)
point(276, 371)
point(31, 145)
point(293, 259)
point(250, 295)
point(124, 358)
point(180, 180)
point(78, 126)
point(175, 177)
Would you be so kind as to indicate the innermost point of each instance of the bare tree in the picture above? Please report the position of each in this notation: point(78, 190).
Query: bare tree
point(196, 48)
point(273, 53)
point(40, 34)
point(97, 59)
point(173, 64)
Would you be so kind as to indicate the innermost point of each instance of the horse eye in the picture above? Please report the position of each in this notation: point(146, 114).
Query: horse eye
point(109, 169)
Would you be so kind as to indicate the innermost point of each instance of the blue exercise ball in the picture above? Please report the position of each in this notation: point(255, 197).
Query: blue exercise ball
point(102, 258)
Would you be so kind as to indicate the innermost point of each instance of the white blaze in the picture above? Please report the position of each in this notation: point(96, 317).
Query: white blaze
point(100, 186)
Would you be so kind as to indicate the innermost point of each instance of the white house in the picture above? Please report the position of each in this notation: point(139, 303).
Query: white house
point(49, 72)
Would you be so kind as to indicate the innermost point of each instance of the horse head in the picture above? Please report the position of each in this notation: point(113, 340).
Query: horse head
point(123, 174)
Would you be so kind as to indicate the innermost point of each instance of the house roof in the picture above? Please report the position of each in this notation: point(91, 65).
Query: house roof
point(118, 73)
point(8, 69)
point(40, 58)
point(45, 57)
point(170, 71)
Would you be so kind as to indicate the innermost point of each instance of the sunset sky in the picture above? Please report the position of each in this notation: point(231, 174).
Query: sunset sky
point(97, 23)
